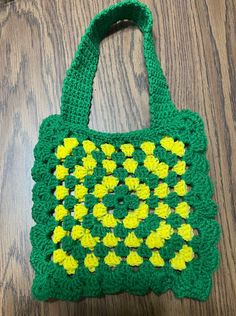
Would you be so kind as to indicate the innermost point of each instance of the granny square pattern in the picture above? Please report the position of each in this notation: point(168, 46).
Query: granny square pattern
point(122, 212)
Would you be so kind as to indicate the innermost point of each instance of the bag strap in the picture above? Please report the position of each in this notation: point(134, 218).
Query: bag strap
point(78, 84)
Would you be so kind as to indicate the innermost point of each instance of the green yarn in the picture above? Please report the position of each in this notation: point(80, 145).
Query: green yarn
point(182, 255)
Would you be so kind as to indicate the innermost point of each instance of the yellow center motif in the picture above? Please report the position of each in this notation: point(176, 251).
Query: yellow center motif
point(107, 186)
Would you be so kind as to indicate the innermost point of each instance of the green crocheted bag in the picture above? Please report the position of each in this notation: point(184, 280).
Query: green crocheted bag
point(121, 211)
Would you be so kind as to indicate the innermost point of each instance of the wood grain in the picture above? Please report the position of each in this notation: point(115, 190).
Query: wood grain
point(195, 40)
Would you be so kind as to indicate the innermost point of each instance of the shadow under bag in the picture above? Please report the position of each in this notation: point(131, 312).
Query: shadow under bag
point(121, 211)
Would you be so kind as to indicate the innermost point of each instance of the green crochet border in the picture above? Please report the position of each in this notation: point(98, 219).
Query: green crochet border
point(52, 281)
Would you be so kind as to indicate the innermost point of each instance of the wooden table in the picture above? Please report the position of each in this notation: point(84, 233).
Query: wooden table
point(195, 41)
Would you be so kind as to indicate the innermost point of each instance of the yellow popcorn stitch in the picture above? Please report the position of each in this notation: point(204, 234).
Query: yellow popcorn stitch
point(70, 264)
point(60, 212)
point(143, 191)
point(161, 170)
point(133, 259)
point(109, 165)
point(88, 146)
point(59, 256)
point(142, 211)
point(154, 240)
point(88, 241)
point(127, 149)
point(178, 262)
point(148, 148)
point(112, 259)
point(130, 165)
point(61, 192)
point(109, 221)
point(162, 210)
point(183, 209)
point(110, 240)
point(70, 143)
point(131, 221)
point(164, 230)
point(178, 148)
point(186, 232)
point(80, 211)
point(156, 259)
point(62, 152)
point(99, 210)
point(180, 167)
point(110, 182)
point(167, 143)
point(80, 172)
point(161, 190)
point(77, 232)
point(185, 254)
point(132, 240)
point(151, 163)
point(181, 188)
point(132, 183)
point(91, 262)
point(89, 162)
point(100, 191)
point(108, 149)
point(80, 191)
point(61, 172)
point(58, 234)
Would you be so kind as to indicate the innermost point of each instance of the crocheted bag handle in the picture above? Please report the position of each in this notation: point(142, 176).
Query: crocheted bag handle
point(78, 84)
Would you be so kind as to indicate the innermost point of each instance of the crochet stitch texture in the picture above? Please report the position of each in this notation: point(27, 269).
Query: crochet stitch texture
point(121, 211)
